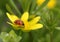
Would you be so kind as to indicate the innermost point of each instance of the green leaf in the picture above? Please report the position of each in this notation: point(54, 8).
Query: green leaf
point(58, 28)
point(15, 7)
point(8, 8)
point(10, 37)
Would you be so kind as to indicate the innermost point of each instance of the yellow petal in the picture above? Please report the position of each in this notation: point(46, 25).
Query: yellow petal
point(15, 26)
point(51, 4)
point(37, 26)
point(26, 25)
point(10, 23)
point(25, 16)
point(34, 20)
point(12, 17)
point(40, 2)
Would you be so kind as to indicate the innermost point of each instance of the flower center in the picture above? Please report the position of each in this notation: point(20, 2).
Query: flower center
point(19, 22)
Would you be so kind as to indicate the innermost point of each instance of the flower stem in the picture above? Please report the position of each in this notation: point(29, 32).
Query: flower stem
point(31, 37)
point(51, 36)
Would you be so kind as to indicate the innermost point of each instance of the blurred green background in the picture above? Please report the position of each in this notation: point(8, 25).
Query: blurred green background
point(38, 35)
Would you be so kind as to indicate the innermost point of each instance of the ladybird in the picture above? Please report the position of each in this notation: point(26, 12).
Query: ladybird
point(18, 22)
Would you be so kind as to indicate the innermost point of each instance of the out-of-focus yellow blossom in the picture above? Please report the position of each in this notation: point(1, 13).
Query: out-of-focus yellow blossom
point(39, 2)
point(23, 23)
point(50, 4)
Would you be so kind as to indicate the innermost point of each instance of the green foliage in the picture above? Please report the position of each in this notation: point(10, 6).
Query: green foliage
point(10, 37)
point(50, 18)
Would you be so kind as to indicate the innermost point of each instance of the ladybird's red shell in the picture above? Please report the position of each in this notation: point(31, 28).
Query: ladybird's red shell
point(18, 22)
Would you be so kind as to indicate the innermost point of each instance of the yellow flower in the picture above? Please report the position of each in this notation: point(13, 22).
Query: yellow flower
point(50, 4)
point(39, 2)
point(23, 23)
